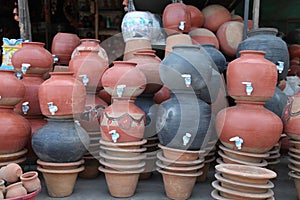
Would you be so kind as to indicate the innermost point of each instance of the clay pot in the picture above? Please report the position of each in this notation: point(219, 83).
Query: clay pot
point(90, 43)
point(62, 96)
point(197, 18)
point(132, 46)
point(178, 163)
point(176, 39)
point(204, 36)
point(230, 34)
point(65, 186)
point(33, 55)
point(215, 15)
point(89, 118)
point(176, 18)
point(15, 190)
point(91, 165)
point(88, 67)
point(293, 70)
point(179, 185)
point(265, 39)
point(15, 131)
point(136, 25)
point(217, 57)
point(12, 90)
point(63, 45)
point(31, 181)
point(178, 154)
point(115, 159)
point(148, 63)
point(122, 121)
point(162, 95)
point(246, 174)
point(8, 157)
point(63, 137)
point(259, 128)
point(30, 105)
point(105, 96)
point(11, 172)
point(121, 184)
point(122, 152)
point(30, 196)
point(277, 103)
point(117, 80)
point(253, 85)
point(294, 51)
point(183, 64)
point(126, 145)
point(176, 130)
point(291, 117)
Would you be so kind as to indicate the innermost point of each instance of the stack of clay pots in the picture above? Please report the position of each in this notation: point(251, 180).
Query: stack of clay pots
point(32, 73)
point(16, 184)
point(122, 126)
point(235, 181)
point(62, 142)
point(88, 63)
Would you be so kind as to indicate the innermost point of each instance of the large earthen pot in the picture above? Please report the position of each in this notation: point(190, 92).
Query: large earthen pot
point(204, 36)
point(217, 57)
point(197, 18)
point(248, 127)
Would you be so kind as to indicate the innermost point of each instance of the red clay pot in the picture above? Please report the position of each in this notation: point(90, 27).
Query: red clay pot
point(33, 53)
point(176, 18)
point(204, 36)
point(88, 68)
point(32, 83)
point(122, 121)
point(63, 45)
point(249, 70)
point(15, 130)
point(65, 93)
point(124, 80)
point(105, 96)
point(12, 90)
point(215, 15)
point(162, 95)
point(294, 51)
point(259, 128)
point(197, 18)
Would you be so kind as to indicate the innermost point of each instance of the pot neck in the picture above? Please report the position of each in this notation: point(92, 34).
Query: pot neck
point(90, 41)
point(37, 44)
point(124, 64)
point(249, 104)
point(263, 31)
point(252, 54)
point(6, 109)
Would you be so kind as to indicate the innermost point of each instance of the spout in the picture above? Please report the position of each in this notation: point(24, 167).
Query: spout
point(55, 58)
point(52, 108)
point(25, 107)
point(249, 88)
point(238, 141)
point(186, 138)
point(181, 25)
point(120, 90)
point(280, 66)
point(187, 79)
point(84, 79)
point(114, 135)
point(25, 67)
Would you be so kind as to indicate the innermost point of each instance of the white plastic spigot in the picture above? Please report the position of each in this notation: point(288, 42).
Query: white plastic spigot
point(19, 75)
point(187, 79)
point(114, 135)
point(25, 67)
point(120, 90)
point(280, 66)
point(186, 138)
point(181, 25)
point(25, 107)
point(52, 108)
point(249, 88)
point(238, 141)
point(85, 80)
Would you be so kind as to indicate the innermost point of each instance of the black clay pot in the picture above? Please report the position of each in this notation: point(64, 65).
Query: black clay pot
point(186, 66)
point(183, 121)
point(217, 56)
point(145, 103)
point(265, 39)
point(60, 140)
point(277, 103)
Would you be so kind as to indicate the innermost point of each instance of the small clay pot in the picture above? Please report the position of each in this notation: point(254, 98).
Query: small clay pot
point(11, 172)
point(178, 154)
point(31, 181)
point(15, 190)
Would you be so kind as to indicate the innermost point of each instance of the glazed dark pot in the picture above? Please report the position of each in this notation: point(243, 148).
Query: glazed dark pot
point(277, 103)
point(216, 56)
point(183, 121)
point(187, 66)
point(265, 39)
point(60, 140)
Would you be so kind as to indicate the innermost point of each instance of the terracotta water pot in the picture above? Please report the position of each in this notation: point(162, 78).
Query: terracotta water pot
point(36, 58)
point(105, 96)
point(67, 179)
point(197, 18)
point(30, 105)
point(90, 43)
point(31, 181)
point(176, 39)
point(88, 67)
point(11, 172)
point(253, 85)
point(132, 46)
point(63, 45)
point(118, 80)
point(294, 51)
point(121, 184)
point(122, 121)
point(176, 18)
point(66, 141)
point(179, 185)
point(12, 90)
point(254, 126)
point(149, 65)
point(162, 95)
point(15, 130)
point(15, 190)
point(62, 96)
point(214, 16)
point(204, 36)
